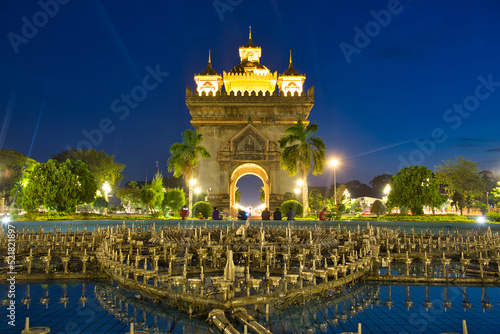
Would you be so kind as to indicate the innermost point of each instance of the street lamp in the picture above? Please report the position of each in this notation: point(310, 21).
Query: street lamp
point(192, 182)
point(347, 194)
point(387, 190)
point(334, 163)
point(106, 188)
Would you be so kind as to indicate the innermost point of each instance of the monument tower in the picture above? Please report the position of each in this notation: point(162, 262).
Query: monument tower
point(242, 116)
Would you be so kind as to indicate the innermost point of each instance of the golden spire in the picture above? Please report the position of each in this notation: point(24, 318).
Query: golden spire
point(250, 35)
point(209, 57)
point(290, 57)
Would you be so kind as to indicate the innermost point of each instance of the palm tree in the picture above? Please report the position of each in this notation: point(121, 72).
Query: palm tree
point(185, 157)
point(262, 195)
point(301, 151)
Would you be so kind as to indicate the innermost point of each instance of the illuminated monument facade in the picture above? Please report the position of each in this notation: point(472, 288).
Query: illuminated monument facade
point(242, 116)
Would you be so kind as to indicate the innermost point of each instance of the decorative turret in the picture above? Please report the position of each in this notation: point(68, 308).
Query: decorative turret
point(250, 75)
point(208, 81)
point(291, 81)
point(250, 52)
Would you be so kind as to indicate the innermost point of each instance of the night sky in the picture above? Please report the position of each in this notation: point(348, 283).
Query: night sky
point(396, 83)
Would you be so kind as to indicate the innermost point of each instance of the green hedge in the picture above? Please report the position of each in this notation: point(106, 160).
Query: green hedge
point(493, 216)
point(426, 218)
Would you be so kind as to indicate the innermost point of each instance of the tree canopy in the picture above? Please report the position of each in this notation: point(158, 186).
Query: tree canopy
point(414, 187)
point(358, 189)
point(59, 186)
point(461, 180)
point(301, 151)
point(185, 156)
point(130, 196)
point(174, 199)
point(379, 183)
point(316, 200)
point(11, 169)
point(102, 166)
point(152, 194)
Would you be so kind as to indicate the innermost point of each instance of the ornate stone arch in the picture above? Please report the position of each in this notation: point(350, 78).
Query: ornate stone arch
point(248, 169)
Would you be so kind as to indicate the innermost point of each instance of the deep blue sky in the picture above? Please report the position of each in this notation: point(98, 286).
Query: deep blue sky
point(396, 89)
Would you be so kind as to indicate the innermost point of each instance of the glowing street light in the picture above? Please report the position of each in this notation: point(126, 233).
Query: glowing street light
point(6, 219)
point(334, 163)
point(107, 189)
point(387, 190)
point(300, 190)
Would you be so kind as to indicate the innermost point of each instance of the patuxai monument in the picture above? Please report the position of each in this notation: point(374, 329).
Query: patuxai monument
point(241, 115)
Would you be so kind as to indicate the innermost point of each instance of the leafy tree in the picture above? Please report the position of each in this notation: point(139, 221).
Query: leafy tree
point(262, 195)
point(100, 203)
point(490, 182)
point(171, 182)
point(174, 199)
point(341, 194)
point(58, 186)
point(413, 187)
point(185, 156)
point(130, 196)
point(237, 196)
point(41, 186)
point(152, 194)
point(202, 207)
point(11, 169)
point(378, 208)
point(461, 181)
point(495, 192)
point(102, 166)
point(379, 183)
point(301, 152)
point(353, 205)
point(358, 189)
point(296, 206)
point(316, 200)
point(86, 183)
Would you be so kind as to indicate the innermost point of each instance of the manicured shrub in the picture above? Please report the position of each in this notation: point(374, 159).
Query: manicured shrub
point(296, 207)
point(378, 208)
point(202, 207)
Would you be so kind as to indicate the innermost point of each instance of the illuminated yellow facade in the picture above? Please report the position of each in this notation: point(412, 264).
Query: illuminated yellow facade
point(250, 76)
point(241, 124)
point(208, 82)
point(291, 82)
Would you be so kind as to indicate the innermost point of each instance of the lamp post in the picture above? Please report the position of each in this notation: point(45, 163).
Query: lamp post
point(334, 163)
point(192, 182)
point(106, 188)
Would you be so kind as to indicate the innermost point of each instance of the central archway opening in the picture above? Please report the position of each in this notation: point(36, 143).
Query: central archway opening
point(243, 170)
point(249, 187)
